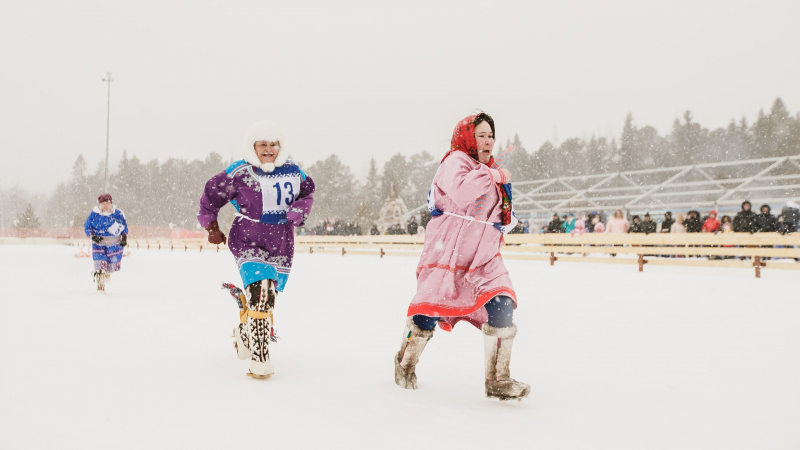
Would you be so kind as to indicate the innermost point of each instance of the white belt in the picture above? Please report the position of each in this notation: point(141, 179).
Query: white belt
point(110, 240)
point(468, 218)
point(245, 217)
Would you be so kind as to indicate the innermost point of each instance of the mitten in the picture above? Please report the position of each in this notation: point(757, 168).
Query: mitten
point(215, 236)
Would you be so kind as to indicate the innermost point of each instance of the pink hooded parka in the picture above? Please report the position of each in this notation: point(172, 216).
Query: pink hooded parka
point(461, 268)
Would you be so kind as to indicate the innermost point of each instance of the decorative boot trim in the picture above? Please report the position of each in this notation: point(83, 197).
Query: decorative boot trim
point(245, 313)
point(502, 333)
point(260, 298)
point(240, 341)
point(411, 347)
point(497, 359)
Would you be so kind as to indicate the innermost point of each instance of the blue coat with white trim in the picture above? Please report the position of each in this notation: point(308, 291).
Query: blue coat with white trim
point(105, 224)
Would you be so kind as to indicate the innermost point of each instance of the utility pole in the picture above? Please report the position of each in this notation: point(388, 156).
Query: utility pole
point(2, 215)
point(108, 79)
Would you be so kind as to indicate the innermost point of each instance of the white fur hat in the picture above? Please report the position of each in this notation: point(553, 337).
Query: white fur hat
point(265, 130)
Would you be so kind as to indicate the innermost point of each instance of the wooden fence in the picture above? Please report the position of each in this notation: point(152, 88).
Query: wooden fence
point(686, 249)
point(731, 249)
point(156, 244)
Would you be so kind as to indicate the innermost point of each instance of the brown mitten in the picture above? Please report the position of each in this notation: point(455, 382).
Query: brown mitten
point(215, 236)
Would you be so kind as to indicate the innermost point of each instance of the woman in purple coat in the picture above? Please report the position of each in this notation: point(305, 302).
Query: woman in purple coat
point(272, 195)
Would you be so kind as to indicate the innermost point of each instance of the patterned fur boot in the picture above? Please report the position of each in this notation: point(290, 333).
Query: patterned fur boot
point(100, 277)
point(411, 347)
point(241, 342)
point(497, 344)
point(260, 297)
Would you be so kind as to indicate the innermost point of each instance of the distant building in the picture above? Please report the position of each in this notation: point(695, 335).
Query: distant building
point(392, 212)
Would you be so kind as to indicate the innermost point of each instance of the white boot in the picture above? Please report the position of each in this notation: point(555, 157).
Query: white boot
point(411, 347)
point(497, 343)
point(260, 369)
point(260, 297)
point(100, 278)
point(241, 343)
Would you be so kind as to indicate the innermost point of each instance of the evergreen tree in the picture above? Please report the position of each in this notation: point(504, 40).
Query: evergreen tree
point(782, 140)
point(594, 156)
point(364, 215)
point(70, 203)
point(370, 203)
point(421, 170)
point(627, 143)
point(687, 140)
point(335, 189)
point(549, 161)
point(613, 159)
point(650, 149)
point(27, 219)
point(573, 158)
point(395, 172)
point(521, 164)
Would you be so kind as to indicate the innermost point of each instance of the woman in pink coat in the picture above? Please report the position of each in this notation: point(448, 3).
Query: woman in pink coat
point(618, 224)
point(461, 275)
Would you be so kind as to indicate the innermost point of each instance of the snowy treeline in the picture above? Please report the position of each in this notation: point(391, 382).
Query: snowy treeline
point(149, 193)
point(776, 133)
point(340, 195)
point(154, 193)
point(159, 194)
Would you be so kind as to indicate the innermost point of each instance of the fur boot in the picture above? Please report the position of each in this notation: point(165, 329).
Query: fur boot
point(411, 347)
point(497, 343)
point(240, 341)
point(100, 277)
point(260, 297)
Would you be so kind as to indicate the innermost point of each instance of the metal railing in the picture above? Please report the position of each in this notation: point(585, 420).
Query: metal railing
point(710, 185)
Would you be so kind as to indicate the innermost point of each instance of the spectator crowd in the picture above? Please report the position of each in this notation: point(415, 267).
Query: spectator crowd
point(745, 221)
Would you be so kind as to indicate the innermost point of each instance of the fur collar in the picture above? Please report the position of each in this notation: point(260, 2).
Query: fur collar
point(264, 130)
point(97, 210)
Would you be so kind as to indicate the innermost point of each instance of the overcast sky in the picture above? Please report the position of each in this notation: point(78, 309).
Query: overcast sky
point(371, 78)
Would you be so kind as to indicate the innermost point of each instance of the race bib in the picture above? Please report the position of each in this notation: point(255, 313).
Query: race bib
point(116, 229)
point(278, 192)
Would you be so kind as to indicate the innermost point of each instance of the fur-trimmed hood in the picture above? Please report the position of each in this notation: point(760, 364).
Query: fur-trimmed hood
point(265, 130)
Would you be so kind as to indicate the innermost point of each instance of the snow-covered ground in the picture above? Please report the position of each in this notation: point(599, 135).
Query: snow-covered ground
point(669, 358)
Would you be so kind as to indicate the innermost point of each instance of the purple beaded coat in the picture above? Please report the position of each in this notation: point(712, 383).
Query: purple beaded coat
point(269, 205)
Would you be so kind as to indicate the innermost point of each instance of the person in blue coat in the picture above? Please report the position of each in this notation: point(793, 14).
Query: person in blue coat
point(107, 228)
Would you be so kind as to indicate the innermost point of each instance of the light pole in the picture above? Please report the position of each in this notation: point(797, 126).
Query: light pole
point(2, 214)
point(108, 79)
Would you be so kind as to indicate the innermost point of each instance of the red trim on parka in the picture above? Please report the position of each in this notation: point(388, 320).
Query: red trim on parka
point(431, 310)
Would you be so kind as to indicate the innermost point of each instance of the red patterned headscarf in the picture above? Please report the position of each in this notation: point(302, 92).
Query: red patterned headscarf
point(464, 141)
